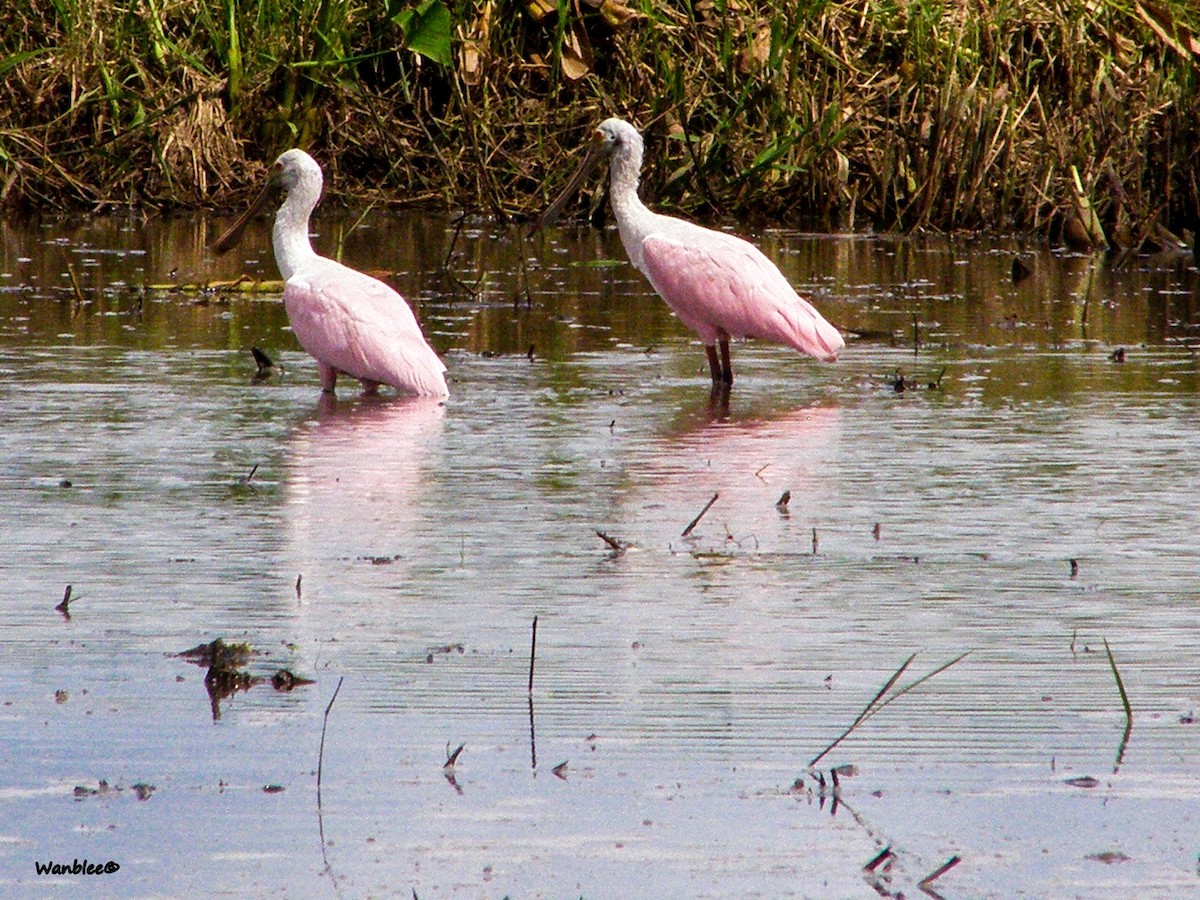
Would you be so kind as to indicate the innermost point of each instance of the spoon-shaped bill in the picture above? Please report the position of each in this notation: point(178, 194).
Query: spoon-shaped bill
point(595, 155)
point(231, 237)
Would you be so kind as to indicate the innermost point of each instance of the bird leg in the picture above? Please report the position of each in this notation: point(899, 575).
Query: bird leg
point(328, 377)
point(726, 366)
point(713, 366)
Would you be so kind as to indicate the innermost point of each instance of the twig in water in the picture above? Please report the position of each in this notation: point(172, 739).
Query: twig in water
point(453, 757)
point(471, 290)
point(877, 531)
point(523, 283)
point(696, 521)
point(532, 737)
point(877, 859)
point(758, 474)
point(916, 335)
point(320, 772)
point(1125, 703)
point(878, 702)
point(299, 578)
point(79, 298)
point(458, 224)
point(815, 542)
point(618, 546)
point(532, 654)
point(924, 883)
point(321, 750)
point(66, 602)
point(264, 363)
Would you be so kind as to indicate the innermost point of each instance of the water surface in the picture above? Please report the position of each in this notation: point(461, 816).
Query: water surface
point(686, 682)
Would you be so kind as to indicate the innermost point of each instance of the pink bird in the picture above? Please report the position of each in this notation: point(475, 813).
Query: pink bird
point(719, 286)
point(349, 322)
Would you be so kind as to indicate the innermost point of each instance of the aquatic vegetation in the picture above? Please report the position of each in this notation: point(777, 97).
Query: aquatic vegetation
point(1062, 118)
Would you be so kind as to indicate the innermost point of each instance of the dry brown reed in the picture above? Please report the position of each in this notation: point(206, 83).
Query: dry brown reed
point(1070, 118)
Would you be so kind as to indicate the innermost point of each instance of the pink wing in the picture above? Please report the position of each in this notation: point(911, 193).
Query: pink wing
point(717, 283)
point(360, 326)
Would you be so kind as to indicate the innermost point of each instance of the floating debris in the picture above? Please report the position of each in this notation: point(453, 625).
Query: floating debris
point(82, 791)
point(64, 606)
point(218, 654)
point(226, 675)
point(617, 545)
point(141, 790)
point(285, 680)
point(1108, 857)
point(444, 650)
point(266, 366)
point(243, 284)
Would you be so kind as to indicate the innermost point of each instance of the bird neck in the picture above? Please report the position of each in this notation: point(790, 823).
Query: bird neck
point(634, 219)
point(624, 172)
point(290, 235)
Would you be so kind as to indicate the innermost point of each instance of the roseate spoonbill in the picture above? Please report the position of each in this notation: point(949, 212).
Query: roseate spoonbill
point(719, 286)
point(349, 322)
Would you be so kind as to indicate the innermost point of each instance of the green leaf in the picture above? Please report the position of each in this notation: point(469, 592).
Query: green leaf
point(427, 30)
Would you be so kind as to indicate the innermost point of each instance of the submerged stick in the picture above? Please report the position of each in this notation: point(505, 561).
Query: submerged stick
point(79, 298)
point(937, 873)
point(452, 759)
point(532, 654)
point(320, 769)
point(696, 521)
point(532, 737)
point(321, 751)
point(66, 602)
point(617, 545)
point(1125, 703)
point(877, 859)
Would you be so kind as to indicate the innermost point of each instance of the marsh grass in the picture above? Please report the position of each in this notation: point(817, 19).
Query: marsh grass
point(1067, 118)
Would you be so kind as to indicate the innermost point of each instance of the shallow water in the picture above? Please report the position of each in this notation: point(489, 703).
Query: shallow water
point(406, 547)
